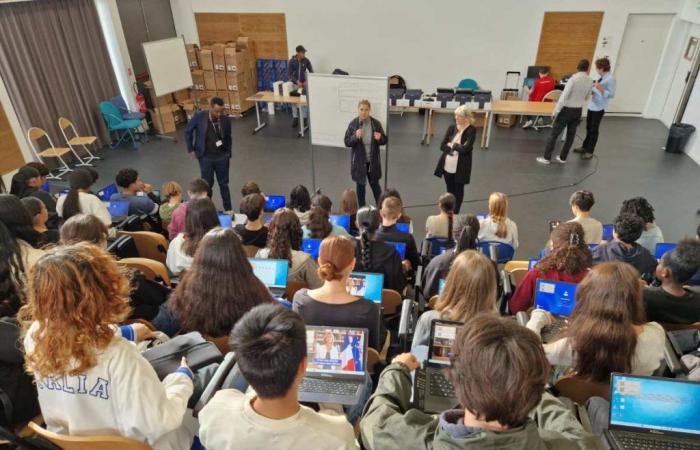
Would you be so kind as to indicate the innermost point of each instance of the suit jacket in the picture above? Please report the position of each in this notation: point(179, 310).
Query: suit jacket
point(465, 147)
point(196, 133)
point(358, 158)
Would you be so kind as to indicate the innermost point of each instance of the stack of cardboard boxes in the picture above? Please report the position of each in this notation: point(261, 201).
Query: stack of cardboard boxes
point(168, 111)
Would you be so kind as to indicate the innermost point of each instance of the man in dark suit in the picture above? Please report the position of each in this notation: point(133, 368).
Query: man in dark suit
point(208, 139)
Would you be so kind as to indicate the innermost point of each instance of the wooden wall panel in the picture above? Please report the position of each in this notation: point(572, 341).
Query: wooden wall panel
point(267, 31)
point(10, 155)
point(566, 38)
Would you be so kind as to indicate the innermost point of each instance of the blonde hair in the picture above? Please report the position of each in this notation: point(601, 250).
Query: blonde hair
point(470, 287)
point(465, 112)
point(392, 208)
point(170, 188)
point(498, 211)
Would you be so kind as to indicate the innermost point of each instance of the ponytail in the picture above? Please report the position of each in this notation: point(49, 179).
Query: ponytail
point(71, 206)
point(80, 179)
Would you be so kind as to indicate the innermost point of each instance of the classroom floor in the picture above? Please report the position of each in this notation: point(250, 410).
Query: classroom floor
point(631, 164)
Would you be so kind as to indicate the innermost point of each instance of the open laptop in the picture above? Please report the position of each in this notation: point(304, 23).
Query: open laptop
point(433, 392)
point(225, 220)
point(559, 298)
point(532, 262)
point(272, 272)
point(662, 248)
point(403, 227)
point(654, 413)
point(118, 210)
point(608, 229)
point(274, 202)
point(341, 220)
point(366, 285)
point(400, 247)
point(336, 370)
point(311, 246)
point(106, 192)
point(441, 286)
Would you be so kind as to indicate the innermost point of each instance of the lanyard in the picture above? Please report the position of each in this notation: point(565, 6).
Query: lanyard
point(216, 126)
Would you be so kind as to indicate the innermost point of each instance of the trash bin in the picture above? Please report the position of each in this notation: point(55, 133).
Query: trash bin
point(678, 137)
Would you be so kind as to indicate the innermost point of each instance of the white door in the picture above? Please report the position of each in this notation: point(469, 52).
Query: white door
point(638, 59)
point(679, 78)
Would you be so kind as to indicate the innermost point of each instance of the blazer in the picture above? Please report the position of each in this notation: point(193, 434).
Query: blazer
point(465, 147)
point(358, 159)
point(196, 133)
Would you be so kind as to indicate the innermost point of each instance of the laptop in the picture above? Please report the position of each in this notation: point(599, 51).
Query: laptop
point(662, 248)
point(274, 202)
point(433, 392)
point(341, 220)
point(482, 216)
point(225, 220)
point(311, 246)
point(107, 192)
point(366, 285)
point(239, 219)
point(272, 272)
point(336, 370)
point(608, 229)
point(441, 286)
point(532, 262)
point(400, 247)
point(118, 210)
point(403, 227)
point(46, 187)
point(559, 298)
point(651, 412)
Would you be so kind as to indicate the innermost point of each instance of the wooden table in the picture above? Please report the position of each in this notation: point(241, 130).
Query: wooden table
point(271, 97)
point(518, 108)
point(433, 110)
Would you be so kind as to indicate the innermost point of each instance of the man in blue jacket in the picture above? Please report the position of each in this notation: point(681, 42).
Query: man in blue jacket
point(208, 139)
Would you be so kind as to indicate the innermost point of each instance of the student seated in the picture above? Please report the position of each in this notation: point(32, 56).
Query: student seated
point(651, 234)
point(201, 216)
point(497, 226)
point(390, 192)
point(300, 203)
point(569, 260)
point(672, 302)
point(470, 289)
point(250, 187)
point(39, 214)
point(331, 304)
point(253, 232)
point(80, 199)
point(608, 331)
point(499, 373)
point(695, 280)
point(322, 202)
point(198, 189)
point(284, 242)
point(581, 203)
point(172, 193)
point(91, 379)
point(270, 343)
point(443, 224)
point(387, 232)
point(373, 255)
point(20, 232)
point(542, 86)
point(29, 181)
point(215, 292)
point(132, 185)
point(623, 247)
point(348, 207)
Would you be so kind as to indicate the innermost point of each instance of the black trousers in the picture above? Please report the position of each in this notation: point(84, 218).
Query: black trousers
point(592, 126)
point(567, 118)
point(454, 188)
point(362, 191)
point(220, 167)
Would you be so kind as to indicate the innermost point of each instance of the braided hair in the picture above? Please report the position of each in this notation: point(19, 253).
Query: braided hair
point(367, 222)
point(569, 254)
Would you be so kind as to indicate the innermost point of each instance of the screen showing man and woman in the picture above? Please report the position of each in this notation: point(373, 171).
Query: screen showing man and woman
point(335, 350)
point(106, 192)
point(557, 297)
point(443, 338)
point(272, 272)
point(311, 246)
point(366, 285)
point(225, 220)
point(341, 220)
point(274, 202)
point(400, 247)
point(661, 404)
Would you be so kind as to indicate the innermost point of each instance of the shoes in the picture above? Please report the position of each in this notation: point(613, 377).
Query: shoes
point(295, 122)
point(559, 160)
point(580, 150)
point(587, 156)
point(528, 124)
point(544, 161)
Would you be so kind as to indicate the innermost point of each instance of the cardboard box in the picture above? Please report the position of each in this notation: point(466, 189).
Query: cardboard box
point(242, 43)
point(231, 81)
point(235, 99)
point(192, 55)
point(198, 80)
point(181, 95)
point(220, 80)
point(230, 59)
point(206, 61)
point(218, 57)
point(189, 107)
point(154, 101)
point(205, 99)
point(224, 96)
point(167, 124)
point(209, 81)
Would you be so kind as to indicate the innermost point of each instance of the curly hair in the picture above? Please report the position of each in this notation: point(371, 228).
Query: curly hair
point(285, 234)
point(75, 295)
point(319, 227)
point(639, 206)
point(569, 254)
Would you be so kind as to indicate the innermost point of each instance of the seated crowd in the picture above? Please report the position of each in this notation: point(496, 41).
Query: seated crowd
point(84, 314)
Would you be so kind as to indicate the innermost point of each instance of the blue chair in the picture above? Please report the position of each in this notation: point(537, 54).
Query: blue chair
point(438, 245)
point(468, 83)
point(505, 252)
point(116, 124)
point(119, 102)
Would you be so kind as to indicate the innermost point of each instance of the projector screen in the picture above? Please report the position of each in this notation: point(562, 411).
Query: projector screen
point(167, 64)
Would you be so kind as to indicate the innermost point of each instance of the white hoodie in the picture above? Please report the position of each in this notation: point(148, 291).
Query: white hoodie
point(120, 395)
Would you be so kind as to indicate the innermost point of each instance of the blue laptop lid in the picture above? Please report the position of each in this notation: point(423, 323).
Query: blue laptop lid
point(557, 297)
point(341, 220)
point(664, 247)
point(118, 209)
point(272, 272)
point(274, 202)
point(366, 285)
point(608, 229)
point(225, 220)
point(106, 192)
point(311, 246)
point(403, 227)
point(400, 247)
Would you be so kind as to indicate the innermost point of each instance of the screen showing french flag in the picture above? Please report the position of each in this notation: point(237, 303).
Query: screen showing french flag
point(335, 350)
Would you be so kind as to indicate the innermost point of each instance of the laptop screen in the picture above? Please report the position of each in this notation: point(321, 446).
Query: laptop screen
point(46, 186)
point(274, 202)
point(664, 247)
point(106, 192)
point(400, 247)
point(366, 285)
point(608, 229)
point(118, 209)
point(336, 350)
point(481, 216)
point(657, 405)
point(441, 286)
point(272, 272)
point(532, 262)
point(557, 297)
point(403, 227)
point(311, 246)
point(442, 337)
point(341, 220)
point(225, 220)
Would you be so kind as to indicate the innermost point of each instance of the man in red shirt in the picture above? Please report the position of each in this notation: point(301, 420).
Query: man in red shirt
point(542, 86)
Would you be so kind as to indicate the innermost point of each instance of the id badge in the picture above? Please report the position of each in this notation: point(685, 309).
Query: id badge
point(219, 143)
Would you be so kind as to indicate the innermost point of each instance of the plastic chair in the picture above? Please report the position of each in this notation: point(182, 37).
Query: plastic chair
point(119, 102)
point(88, 442)
point(391, 302)
point(468, 83)
point(33, 135)
point(76, 140)
point(116, 124)
point(438, 244)
point(504, 252)
point(151, 269)
point(150, 245)
point(293, 287)
point(551, 96)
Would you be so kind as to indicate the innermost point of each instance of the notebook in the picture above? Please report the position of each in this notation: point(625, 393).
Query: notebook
point(272, 272)
point(366, 285)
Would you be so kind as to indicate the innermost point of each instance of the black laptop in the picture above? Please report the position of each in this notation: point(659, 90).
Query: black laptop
point(433, 392)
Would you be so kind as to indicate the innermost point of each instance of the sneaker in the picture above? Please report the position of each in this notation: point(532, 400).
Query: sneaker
point(559, 160)
point(587, 156)
point(295, 122)
point(579, 150)
point(542, 160)
point(528, 124)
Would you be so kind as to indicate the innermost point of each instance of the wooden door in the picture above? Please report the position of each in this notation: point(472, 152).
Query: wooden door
point(566, 38)
point(10, 155)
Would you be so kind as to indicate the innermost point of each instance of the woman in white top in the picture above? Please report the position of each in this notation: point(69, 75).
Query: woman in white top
point(80, 200)
point(581, 203)
point(608, 331)
point(497, 226)
point(91, 380)
point(652, 234)
point(442, 225)
point(200, 217)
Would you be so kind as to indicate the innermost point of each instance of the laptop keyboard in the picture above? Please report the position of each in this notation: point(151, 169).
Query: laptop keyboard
point(334, 387)
point(635, 441)
point(551, 331)
point(440, 386)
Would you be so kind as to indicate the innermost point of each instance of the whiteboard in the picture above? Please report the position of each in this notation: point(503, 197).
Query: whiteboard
point(333, 104)
point(167, 64)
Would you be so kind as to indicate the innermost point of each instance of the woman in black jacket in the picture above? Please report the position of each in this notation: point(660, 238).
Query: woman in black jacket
point(455, 163)
point(364, 136)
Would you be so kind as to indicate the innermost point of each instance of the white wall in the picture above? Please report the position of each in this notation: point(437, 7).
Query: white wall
point(430, 44)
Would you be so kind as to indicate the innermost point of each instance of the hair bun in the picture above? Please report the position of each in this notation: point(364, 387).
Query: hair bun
point(327, 272)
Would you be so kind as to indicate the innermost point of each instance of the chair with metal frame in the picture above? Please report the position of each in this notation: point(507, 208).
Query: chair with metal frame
point(116, 124)
point(551, 96)
point(77, 140)
point(34, 134)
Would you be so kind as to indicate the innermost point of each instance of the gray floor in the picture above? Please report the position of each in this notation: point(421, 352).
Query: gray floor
point(631, 164)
